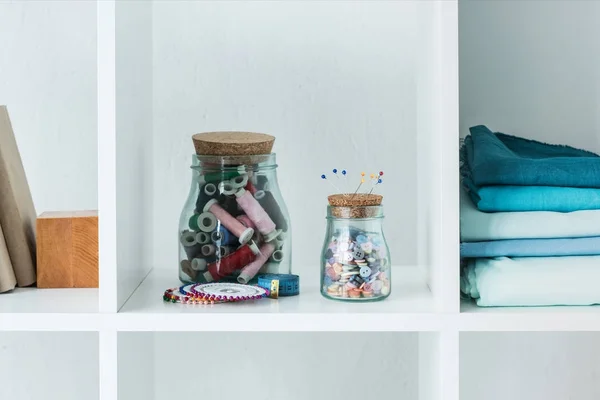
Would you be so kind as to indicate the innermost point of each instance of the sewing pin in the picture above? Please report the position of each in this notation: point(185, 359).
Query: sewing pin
point(324, 177)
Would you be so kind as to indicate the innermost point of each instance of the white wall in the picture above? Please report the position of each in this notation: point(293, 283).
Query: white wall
point(334, 81)
point(532, 68)
point(529, 366)
point(48, 81)
point(49, 365)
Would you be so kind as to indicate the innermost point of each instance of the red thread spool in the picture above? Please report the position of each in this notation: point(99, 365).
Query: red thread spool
point(227, 265)
point(250, 187)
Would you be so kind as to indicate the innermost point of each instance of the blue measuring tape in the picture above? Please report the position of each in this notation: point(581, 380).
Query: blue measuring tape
point(289, 285)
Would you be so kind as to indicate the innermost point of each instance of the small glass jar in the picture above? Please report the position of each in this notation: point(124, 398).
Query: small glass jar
point(355, 261)
point(234, 224)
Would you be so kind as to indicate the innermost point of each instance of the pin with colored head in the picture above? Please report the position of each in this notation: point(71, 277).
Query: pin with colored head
point(344, 180)
point(324, 177)
point(362, 180)
point(379, 181)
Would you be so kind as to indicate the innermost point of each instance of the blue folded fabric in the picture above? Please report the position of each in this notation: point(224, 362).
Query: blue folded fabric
point(531, 248)
point(499, 159)
point(532, 198)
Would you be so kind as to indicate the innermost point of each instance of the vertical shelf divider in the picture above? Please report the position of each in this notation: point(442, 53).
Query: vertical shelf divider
point(438, 365)
point(447, 30)
point(108, 368)
point(107, 194)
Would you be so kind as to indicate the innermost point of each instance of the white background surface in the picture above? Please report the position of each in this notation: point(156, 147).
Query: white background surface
point(49, 365)
point(48, 81)
point(529, 366)
point(532, 69)
point(334, 81)
point(325, 54)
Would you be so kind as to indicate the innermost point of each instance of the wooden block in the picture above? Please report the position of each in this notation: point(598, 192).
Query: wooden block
point(67, 249)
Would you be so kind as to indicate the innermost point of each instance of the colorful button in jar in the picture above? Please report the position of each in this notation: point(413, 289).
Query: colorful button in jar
point(234, 224)
point(355, 261)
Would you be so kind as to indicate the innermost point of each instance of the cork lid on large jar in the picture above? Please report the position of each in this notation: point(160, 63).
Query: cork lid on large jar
point(232, 143)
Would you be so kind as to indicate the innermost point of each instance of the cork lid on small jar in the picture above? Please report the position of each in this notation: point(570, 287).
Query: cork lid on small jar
point(359, 205)
point(233, 143)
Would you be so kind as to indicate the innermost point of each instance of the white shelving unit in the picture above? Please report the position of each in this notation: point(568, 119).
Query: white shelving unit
point(166, 69)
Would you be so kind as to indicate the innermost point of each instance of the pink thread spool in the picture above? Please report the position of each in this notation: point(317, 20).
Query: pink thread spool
point(257, 214)
point(250, 270)
point(247, 222)
point(235, 227)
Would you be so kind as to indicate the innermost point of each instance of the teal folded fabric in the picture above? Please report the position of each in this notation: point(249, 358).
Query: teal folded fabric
point(479, 226)
point(532, 281)
point(533, 198)
point(499, 159)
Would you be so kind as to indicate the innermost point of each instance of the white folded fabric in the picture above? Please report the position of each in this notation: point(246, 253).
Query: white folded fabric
point(533, 281)
point(478, 226)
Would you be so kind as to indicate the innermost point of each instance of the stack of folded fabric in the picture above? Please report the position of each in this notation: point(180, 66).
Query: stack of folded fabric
point(530, 222)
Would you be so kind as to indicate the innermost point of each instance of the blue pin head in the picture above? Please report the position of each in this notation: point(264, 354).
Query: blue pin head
point(335, 170)
point(323, 176)
point(379, 181)
point(343, 172)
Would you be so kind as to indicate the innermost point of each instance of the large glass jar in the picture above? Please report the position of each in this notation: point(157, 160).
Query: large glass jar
point(234, 224)
point(355, 261)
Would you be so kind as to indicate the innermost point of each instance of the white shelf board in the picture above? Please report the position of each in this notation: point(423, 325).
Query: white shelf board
point(409, 307)
point(31, 309)
point(33, 300)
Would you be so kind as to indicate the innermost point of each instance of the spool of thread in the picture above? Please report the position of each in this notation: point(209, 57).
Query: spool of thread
point(216, 177)
point(224, 251)
point(270, 267)
point(208, 250)
point(190, 245)
point(250, 187)
point(239, 181)
point(277, 256)
point(222, 237)
point(186, 268)
point(202, 237)
point(227, 265)
point(205, 222)
point(261, 181)
point(235, 227)
point(257, 214)
point(227, 188)
point(207, 192)
point(270, 205)
point(246, 221)
point(229, 204)
point(250, 270)
point(198, 264)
